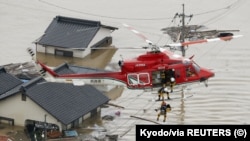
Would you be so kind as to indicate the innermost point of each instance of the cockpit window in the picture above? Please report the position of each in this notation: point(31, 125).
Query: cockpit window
point(196, 67)
point(192, 69)
point(186, 62)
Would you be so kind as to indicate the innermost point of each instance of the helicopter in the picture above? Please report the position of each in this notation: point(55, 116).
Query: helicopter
point(146, 71)
point(149, 70)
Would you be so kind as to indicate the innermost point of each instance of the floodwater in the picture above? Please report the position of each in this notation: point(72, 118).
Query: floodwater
point(224, 101)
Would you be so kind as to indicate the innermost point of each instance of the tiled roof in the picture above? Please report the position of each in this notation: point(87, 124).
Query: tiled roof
point(68, 32)
point(65, 101)
point(9, 84)
point(67, 69)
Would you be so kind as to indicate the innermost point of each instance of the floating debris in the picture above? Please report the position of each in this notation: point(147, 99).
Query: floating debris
point(24, 71)
point(108, 117)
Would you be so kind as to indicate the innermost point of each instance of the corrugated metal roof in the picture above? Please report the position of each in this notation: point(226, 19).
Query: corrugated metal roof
point(66, 102)
point(68, 32)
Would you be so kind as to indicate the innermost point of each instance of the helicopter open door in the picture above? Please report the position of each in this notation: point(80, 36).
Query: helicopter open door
point(161, 77)
point(137, 80)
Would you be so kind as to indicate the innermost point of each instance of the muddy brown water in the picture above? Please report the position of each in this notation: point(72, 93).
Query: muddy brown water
point(97, 59)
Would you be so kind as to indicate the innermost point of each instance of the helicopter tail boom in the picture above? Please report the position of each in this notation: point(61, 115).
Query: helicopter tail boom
point(47, 69)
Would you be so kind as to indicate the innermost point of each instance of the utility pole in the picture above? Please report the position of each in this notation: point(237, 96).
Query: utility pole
point(183, 32)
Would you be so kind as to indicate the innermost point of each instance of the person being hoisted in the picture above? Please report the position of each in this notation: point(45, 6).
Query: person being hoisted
point(163, 110)
point(162, 91)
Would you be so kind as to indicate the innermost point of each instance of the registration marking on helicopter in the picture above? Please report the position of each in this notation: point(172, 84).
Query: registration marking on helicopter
point(140, 65)
point(161, 67)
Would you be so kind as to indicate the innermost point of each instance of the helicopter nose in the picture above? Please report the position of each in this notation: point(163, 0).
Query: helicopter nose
point(210, 73)
point(206, 74)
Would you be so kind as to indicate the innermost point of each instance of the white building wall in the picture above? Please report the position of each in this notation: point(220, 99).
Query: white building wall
point(51, 50)
point(81, 54)
point(14, 107)
point(102, 33)
point(40, 48)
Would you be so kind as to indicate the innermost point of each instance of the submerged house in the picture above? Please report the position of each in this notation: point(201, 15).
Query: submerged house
point(73, 37)
point(61, 104)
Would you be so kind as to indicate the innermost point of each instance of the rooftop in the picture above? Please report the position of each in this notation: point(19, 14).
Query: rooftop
point(66, 32)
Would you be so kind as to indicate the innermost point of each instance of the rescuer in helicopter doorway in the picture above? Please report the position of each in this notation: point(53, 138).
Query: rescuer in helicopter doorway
point(172, 83)
point(163, 90)
point(163, 110)
point(170, 79)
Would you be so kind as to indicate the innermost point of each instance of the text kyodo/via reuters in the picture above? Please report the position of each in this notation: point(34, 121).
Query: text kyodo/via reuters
point(161, 132)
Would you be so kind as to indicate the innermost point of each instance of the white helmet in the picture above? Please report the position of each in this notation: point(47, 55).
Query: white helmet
point(172, 79)
point(166, 89)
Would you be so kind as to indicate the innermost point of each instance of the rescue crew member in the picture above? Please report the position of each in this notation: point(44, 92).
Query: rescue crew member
point(172, 83)
point(161, 93)
point(163, 90)
point(167, 92)
point(163, 110)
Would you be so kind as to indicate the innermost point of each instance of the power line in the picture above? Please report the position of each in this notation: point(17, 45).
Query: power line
point(97, 15)
point(228, 7)
point(127, 18)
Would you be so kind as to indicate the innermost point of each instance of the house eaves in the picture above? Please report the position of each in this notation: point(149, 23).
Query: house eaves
point(65, 101)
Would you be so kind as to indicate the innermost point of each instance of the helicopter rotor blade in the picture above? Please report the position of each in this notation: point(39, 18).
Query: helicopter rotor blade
point(138, 34)
point(227, 38)
point(120, 48)
point(108, 48)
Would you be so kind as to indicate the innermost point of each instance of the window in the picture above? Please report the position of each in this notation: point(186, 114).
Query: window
point(140, 78)
point(63, 53)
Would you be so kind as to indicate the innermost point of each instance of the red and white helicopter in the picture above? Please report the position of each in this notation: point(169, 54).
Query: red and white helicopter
point(148, 70)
